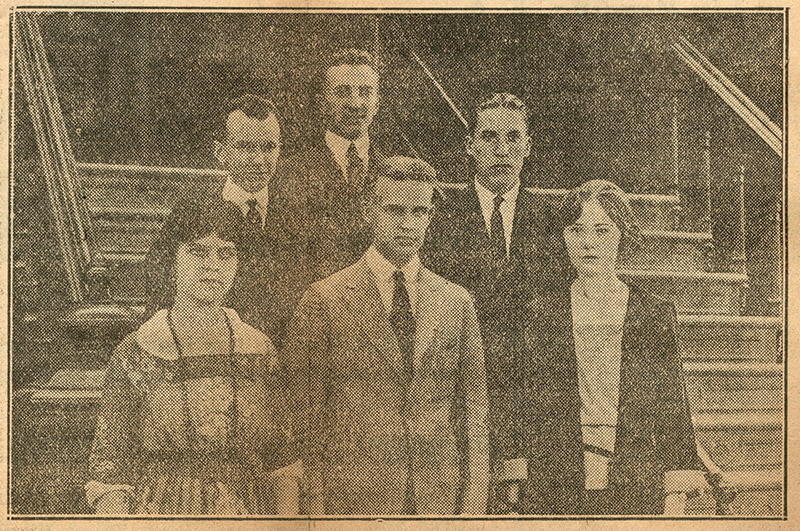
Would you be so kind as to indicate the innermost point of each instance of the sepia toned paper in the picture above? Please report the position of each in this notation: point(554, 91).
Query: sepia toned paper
point(123, 118)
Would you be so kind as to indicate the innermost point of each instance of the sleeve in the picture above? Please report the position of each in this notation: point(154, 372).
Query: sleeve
point(113, 459)
point(304, 356)
point(675, 433)
point(471, 394)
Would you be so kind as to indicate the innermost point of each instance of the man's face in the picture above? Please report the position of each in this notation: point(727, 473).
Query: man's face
point(399, 215)
point(351, 99)
point(499, 145)
point(250, 150)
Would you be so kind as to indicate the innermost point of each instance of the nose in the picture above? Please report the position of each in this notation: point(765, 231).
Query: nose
point(212, 262)
point(502, 148)
point(259, 157)
point(407, 222)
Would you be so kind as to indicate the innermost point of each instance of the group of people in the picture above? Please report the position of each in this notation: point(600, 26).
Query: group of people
point(329, 333)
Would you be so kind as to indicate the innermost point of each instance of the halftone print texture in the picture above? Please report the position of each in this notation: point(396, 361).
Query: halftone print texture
point(406, 264)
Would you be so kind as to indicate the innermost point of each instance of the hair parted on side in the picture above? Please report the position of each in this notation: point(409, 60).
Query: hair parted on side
point(347, 56)
point(253, 106)
point(614, 201)
point(498, 100)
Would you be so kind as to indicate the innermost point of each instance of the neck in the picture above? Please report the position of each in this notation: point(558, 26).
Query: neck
point(497, 188)
point(351, 136)
point(592, 286)
point(250, 187)
point(188, 309)
point(396, 260)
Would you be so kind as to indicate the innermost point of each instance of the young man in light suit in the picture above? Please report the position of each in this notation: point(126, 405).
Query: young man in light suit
point(387, 364)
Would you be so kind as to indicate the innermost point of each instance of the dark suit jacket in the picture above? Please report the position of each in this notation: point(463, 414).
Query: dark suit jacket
point(458, 248)
point(654, 432)
point(325, 220)
point(260, 290)
point(361, 427)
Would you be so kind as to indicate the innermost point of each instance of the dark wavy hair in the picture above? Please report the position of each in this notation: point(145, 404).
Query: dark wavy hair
point(191, 220)
point(617, 206)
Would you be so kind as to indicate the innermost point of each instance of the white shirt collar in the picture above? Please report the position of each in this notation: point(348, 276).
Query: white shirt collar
point(507, 207)
point(384, 270)
point(339, 146)
point(236, 194)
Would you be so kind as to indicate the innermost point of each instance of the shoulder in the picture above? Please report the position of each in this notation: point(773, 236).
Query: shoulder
point(451, 291)
point(249, 340)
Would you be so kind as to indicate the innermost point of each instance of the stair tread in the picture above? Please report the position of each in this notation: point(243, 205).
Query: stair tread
point(738, 420)
point(743, 480)
point(731, 320)
point(733, 367)
point(693, 275)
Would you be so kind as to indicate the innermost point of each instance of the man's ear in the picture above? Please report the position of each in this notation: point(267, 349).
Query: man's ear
point(219, 152)
point(468, 144)
point(529, 146)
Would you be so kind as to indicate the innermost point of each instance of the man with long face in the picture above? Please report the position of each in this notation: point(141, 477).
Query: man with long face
point(387, 366)
point(492, 236)
point(247, 147)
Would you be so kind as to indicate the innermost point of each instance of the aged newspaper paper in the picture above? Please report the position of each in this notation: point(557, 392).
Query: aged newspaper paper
point(398, 266)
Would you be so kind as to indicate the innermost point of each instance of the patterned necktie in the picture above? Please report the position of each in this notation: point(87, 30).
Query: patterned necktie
point(355, 169)
point(253, 216)
point(497, 233)
point(403, 323)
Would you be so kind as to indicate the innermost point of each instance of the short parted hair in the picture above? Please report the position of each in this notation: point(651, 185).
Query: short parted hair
point(348, 56)
point(400, 169)
point(612, 199)
point(252, 105)
point(498, 100)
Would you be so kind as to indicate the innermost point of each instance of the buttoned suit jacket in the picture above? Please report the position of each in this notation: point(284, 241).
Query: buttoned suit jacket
point(325, 214)
point(458, 248)
point(361, 426)
point(654, 426)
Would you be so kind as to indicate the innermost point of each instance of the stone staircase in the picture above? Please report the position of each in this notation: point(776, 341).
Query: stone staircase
point(733, 363)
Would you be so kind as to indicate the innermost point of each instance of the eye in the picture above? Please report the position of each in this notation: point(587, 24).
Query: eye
point(394, 210)
point(365, 91)
point(198, 251)
point(488, 136)
point(574, 229)
point(341, 91)
point(421, 211)
point(269, 147)
point(513, 136)
point(603, 230)
point(226, 253)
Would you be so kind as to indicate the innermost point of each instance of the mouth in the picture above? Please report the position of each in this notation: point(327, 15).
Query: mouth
point(404, 240)
point(210, 282)
point(590, 258)
point(502, 167)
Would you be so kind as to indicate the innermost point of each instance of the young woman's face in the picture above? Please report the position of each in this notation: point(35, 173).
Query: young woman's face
point(204, 269)
point(593, 241)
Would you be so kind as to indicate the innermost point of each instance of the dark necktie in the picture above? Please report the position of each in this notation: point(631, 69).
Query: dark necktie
point(355, 169)
point(403, 323)
point(253, 216)
point(497, 233)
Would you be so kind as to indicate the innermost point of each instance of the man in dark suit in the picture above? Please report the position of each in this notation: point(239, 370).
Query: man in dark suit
point(247, 147)
point(387, 364)
point(492, 237)
point(327, 178)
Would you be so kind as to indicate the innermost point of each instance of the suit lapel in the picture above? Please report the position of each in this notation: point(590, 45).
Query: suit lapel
point(475, 226)
point(365, 303)
point(523, 221)
point(429, 312)
point(630, 391)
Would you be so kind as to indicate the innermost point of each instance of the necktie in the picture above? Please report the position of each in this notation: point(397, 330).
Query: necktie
point(403, 323)
point(355, 169)
point(253, 216)
point(497, 233)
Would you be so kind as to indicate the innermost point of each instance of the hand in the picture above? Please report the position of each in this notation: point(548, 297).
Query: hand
point(114, 502)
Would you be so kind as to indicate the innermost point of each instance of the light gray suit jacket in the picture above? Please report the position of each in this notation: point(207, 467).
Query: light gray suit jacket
point(358, 433)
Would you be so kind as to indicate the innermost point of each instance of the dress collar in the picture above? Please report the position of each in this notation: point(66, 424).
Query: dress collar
point(155, 338)
point(383, 269)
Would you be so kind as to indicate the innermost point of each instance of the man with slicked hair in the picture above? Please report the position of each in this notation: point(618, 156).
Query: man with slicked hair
point(247, 147)
point(491, 238)
point(387, 365)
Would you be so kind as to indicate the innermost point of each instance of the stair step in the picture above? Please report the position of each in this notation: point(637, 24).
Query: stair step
point(729, 338)
point(734, 386)
point(693, 292)
point(742, 440)
point(661, 250)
